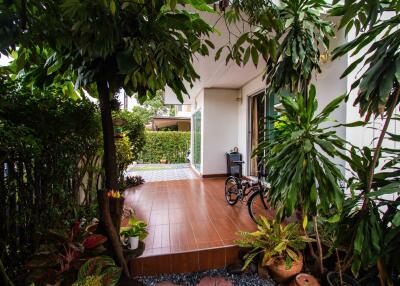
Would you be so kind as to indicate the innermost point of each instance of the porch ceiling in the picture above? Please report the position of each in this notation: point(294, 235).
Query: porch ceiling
point(216, 74)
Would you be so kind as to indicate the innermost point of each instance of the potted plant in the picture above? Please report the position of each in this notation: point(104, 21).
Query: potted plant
point(163, 161)
point(279, 246)
point(136, 231)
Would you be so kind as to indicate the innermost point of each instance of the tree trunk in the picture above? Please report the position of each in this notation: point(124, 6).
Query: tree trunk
point(111, 177)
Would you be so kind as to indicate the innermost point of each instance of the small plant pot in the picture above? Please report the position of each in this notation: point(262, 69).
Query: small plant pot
point(278, 271)
point(133, 242)
point(333, 279)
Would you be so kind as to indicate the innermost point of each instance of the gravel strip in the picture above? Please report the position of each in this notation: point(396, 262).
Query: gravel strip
point(191, 279)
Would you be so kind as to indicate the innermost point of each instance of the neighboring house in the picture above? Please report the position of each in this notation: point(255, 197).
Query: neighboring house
point(172, 123)
point(179, 122)
point(226, 105)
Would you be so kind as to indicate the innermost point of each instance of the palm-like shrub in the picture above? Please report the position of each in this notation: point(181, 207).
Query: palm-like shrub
point(298, 157)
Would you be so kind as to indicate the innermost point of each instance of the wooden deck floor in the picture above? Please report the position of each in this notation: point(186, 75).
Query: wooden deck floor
point(191, 227)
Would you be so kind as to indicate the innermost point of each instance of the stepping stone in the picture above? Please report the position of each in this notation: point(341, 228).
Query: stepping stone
point(166, 283)
point(214, 281)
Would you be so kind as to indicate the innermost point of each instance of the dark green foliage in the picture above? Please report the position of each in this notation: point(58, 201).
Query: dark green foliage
point(140, 46)
point(370, 222)
point(59, 259)
point(286, 35)
point(153, 107)
point(48, 144)
point(379, 35)
point(169, 145)
point(298, 157)
point(133, 181)
point(134, 128)
point(124, 154)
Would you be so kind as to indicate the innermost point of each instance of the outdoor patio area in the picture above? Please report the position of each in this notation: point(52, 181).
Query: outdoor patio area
point(162, 172)
point(191, 227)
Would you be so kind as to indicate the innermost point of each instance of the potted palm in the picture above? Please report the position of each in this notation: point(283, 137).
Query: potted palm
point(135, 232)
point(280, 248)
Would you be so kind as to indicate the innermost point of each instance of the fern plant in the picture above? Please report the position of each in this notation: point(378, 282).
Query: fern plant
point(273, 241)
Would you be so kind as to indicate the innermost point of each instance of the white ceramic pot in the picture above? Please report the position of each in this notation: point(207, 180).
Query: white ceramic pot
point(133, 242)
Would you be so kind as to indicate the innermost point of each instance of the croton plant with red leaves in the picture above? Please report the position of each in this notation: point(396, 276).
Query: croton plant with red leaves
point(58, 261)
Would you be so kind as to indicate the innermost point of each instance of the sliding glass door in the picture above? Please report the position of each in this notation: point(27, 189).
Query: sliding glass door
point(260, 108)
point(196, 140)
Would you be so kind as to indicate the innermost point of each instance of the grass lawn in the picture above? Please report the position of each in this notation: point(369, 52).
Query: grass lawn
point(149, 168)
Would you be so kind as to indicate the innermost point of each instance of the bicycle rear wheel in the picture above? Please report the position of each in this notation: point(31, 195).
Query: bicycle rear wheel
point(232, 190)
point(257, 204)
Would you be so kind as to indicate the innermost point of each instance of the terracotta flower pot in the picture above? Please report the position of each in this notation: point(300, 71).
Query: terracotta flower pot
point(278, 271)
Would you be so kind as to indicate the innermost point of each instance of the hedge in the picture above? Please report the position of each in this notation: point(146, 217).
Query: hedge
point(169, 145)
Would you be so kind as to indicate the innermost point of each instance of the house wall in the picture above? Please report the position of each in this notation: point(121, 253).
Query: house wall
point(219, 132)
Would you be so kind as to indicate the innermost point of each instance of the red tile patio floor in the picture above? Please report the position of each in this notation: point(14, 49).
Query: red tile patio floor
point(191, 227)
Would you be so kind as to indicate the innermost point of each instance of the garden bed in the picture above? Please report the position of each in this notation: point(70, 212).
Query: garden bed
point(189, 279)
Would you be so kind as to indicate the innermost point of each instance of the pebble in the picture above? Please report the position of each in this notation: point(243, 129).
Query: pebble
point(218, 277)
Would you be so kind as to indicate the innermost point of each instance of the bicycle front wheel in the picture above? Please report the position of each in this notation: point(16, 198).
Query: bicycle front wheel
point(232, 190)
point(257, 204)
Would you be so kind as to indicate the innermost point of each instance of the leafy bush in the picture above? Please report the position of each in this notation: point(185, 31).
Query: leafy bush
point(134, 128)
point(58, 260)
point(169, 145)
point(135, 228)
point(48, 142)
point(124, 153)
point(133, 181)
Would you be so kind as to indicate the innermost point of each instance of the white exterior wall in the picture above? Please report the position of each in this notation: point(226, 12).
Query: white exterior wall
point(219, 128)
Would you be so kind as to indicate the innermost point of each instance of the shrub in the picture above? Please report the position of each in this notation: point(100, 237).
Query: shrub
point(169, 145)
point(133, 181)
point(124, 153)
point(134, 129)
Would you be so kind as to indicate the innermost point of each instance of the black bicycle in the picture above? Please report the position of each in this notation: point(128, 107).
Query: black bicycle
point(238, 188)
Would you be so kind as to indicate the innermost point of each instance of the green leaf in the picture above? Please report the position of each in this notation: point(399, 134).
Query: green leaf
point(254, 55)
point(334, 219)
point(280, 247)
point(112, 7)
point(332, 105)
point(111, 276)
point(218, 54)
point(359, 239)
point(307, 146)
point(396, 219)
point(388, 189)
point(246, 56)
point(352, 67)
